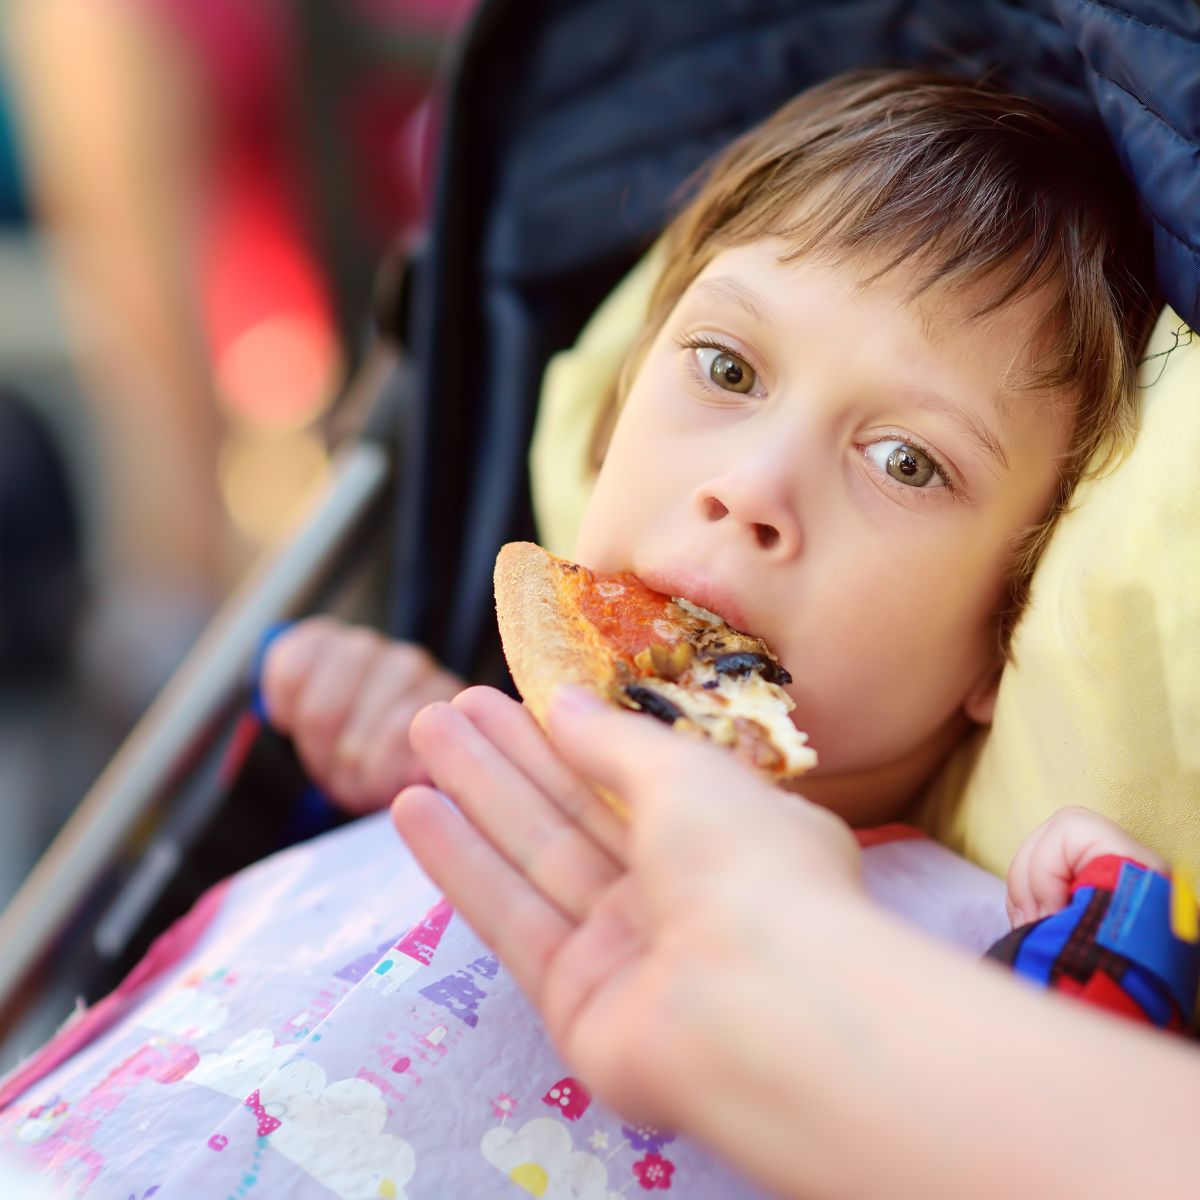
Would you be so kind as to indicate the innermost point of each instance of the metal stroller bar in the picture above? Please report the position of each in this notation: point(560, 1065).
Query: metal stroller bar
point(187, 714)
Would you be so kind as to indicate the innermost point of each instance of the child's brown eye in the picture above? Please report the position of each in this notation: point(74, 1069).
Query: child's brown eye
point(726, 370)
point(910, 465)
point(906, 463)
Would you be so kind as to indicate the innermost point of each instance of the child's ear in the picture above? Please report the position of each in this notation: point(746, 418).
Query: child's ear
point(980, 703)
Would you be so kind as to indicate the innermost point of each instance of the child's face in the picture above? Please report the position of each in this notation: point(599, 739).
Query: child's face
point(839, 473)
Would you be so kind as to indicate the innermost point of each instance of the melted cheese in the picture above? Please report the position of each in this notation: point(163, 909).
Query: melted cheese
point(696, 611)
point(748, 696)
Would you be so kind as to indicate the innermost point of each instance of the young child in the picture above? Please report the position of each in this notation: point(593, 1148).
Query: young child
point(895, 323)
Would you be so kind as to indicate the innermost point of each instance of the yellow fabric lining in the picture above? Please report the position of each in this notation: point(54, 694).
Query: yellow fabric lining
point(576, 383)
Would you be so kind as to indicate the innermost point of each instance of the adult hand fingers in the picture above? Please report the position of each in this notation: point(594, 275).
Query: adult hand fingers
point(560, 964)
point(511, 811)
point(511, 725)
point(697, 812)
point(662, 776)
point(504, 908)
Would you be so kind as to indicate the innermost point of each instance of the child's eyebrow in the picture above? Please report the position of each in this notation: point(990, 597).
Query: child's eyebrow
point(975, 428)
point(728, 290)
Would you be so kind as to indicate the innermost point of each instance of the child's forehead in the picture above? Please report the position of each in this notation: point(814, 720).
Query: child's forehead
point(774, 287)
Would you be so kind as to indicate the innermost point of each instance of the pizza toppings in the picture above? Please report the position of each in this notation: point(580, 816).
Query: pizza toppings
point(741, 662)
point(663, 656)
point(627, 614)
point(745, 711)
point(666, 663)
point(650, 701)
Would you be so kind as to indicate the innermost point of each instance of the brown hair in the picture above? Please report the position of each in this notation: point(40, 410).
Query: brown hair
point(978, 190)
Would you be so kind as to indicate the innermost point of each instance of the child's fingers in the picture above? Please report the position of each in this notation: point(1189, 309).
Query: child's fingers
point(286, 666)
point(400, 677)
point(396, 669)
point(511, 811)
point(328, 696)
point(1051, 870)
point(1059, 849)
point(1019, 898)
point(511, 725)
point(1088, 835)
point(503, 907)
point(389, 762)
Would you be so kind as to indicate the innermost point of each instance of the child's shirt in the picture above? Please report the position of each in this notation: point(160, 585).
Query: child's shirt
point(327, 1026)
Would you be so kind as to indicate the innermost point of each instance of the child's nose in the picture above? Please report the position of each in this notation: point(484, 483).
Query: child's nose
point(771, 525)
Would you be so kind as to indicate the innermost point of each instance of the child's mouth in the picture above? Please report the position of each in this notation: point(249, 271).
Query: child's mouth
point(704, 597)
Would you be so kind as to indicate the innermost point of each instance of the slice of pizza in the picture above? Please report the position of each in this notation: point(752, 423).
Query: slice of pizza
point(561, 623)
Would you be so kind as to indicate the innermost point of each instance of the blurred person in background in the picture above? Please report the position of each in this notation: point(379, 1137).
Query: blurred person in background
point(184, 172)
point(214, 182)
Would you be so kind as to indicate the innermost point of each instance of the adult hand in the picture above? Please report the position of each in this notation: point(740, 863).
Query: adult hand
point(715, 968)
point(346, 696)
point(639, 944)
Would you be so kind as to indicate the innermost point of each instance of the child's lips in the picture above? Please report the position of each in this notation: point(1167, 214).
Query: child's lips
point(700, 590)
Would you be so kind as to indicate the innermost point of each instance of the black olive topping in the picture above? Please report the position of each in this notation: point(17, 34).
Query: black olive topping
point(652, 703)
point(742, 662)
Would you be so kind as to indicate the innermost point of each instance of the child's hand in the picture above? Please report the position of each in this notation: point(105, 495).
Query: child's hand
point(346, 697)
point(1039, 879)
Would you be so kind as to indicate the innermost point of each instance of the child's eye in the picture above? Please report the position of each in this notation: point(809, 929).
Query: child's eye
point(906, 463)
point(725, 369)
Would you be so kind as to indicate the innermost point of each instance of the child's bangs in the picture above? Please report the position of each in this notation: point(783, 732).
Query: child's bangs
point(978, 240)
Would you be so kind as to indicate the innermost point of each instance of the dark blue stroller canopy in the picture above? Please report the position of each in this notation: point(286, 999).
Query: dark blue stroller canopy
point(572, 126)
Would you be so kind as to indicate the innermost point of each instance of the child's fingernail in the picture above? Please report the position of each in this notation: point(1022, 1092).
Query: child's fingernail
point(572, 699)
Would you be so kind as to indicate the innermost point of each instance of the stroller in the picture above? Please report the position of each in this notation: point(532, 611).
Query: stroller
point(571, 128)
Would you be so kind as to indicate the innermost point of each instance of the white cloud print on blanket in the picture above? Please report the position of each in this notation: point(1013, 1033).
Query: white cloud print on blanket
point(333, 1131)
point(238, 1069)
point(186, 1013)
point(540, 1158)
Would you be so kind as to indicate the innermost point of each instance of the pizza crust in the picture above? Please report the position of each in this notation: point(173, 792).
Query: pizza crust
point(546, 642)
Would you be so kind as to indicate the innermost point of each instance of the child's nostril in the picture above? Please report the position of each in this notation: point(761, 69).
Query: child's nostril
point(714, 510)
point(767, 535)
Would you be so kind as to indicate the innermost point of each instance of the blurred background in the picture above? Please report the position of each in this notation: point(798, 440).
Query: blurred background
point(194, 198)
